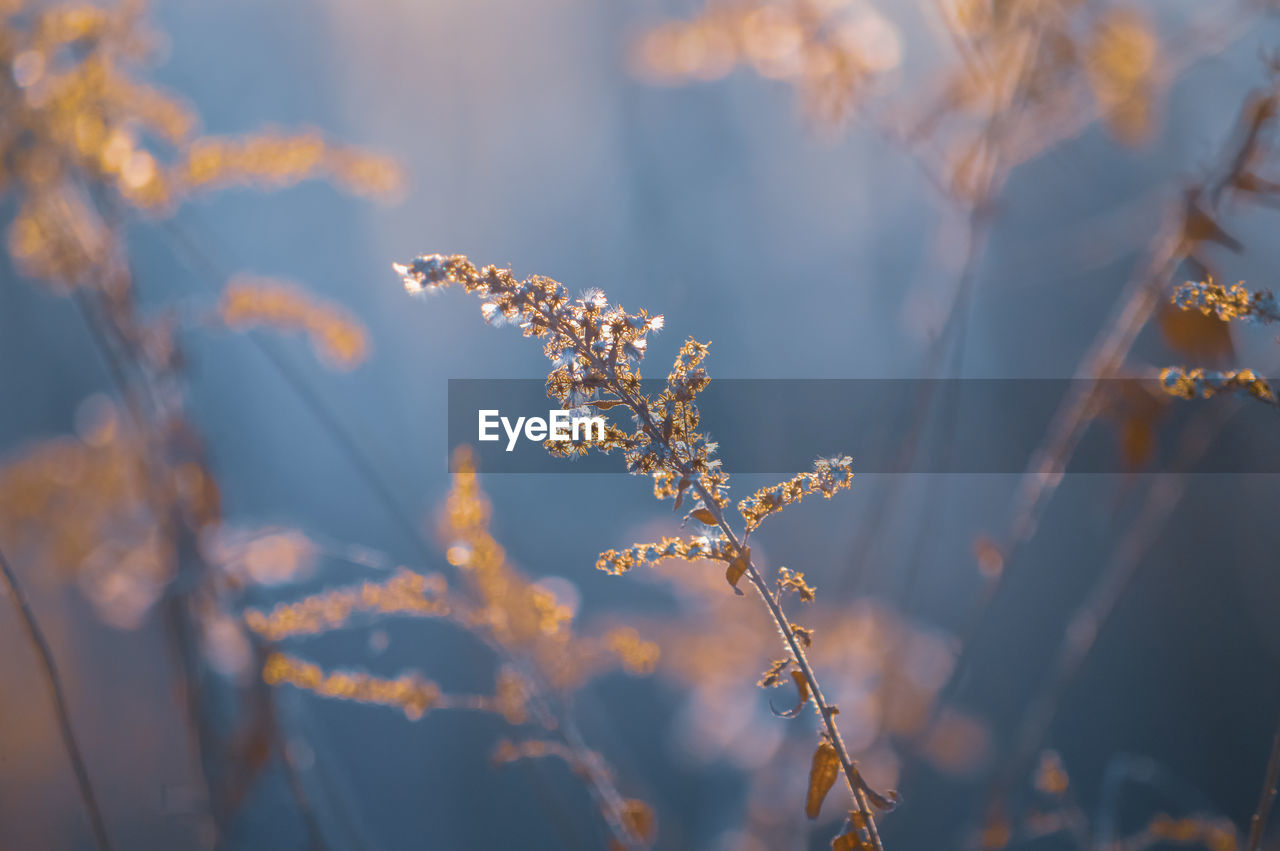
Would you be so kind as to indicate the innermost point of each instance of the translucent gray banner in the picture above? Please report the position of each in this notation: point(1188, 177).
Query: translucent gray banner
point(780, 426)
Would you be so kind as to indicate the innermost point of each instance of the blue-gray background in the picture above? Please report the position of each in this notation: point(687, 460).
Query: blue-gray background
point(527, 142)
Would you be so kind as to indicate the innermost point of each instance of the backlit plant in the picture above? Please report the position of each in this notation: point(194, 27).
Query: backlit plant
point(596, 350)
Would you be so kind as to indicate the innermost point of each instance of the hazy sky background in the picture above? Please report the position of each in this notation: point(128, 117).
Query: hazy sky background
point(528, 142)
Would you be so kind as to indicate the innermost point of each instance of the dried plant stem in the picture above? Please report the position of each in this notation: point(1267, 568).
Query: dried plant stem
point(862, 793)
point(53, 682)
point(857, 784)
point(1258, 824)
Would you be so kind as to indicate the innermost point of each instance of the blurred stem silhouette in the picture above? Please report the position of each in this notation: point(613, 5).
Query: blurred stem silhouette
point(211, 275)
point(53, 682)
point(1164, 493)
point(1258, 824)
point(1187, 228)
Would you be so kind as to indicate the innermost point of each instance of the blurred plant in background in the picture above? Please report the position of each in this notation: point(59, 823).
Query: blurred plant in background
point(525, 626)
point(129, 508)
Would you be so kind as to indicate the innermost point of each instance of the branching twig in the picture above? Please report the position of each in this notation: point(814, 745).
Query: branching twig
point(600, 363)
point(862, 793)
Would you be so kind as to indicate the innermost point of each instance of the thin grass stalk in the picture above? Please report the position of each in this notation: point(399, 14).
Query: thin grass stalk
point(53, 683)
point(858, 786)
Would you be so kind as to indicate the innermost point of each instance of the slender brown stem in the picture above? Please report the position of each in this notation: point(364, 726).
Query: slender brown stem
point(857, 784)
point(53, 682)
point(1258, 824)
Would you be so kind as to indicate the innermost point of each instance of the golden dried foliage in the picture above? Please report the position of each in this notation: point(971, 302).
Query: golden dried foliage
point(791, 580)
point(773, 676)
point(1227, 303)
point(337, 337)
point(278, 159)
point(494, 601)
point(78, 115)
point(822, 776)
point(82, 508)
point(596, 350)
point(405, 593)
point(87, 145)
point(850, 840)
point(529, 629)
point(828, 476)
point(739, 564)
point(410, 693)
point(691, 549)
point(516, 614)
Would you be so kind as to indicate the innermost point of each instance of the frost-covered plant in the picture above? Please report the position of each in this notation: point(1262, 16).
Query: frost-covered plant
point(596, 350)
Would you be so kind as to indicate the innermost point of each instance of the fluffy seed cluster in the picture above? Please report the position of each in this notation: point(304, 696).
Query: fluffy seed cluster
point(586, 337)
point(692, 549)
